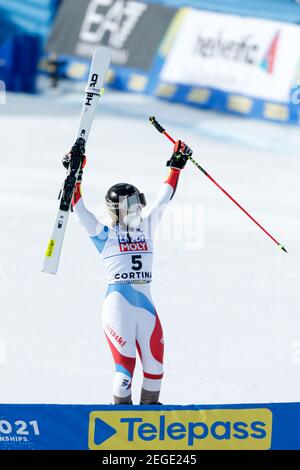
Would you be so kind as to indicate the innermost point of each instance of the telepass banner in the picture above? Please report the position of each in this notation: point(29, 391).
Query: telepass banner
point(194, 427)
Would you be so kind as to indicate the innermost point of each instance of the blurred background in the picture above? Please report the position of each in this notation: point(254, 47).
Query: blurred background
point(219, 55)
point(224, 77)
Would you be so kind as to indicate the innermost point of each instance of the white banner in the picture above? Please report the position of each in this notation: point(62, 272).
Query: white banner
point(249, 56)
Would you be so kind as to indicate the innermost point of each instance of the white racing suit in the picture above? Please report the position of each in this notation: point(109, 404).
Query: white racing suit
point(130, 320)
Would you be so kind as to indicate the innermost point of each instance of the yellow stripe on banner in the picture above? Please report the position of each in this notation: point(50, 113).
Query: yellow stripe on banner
point(166, 90)
point(137, 82)
point(240, 104)
point(172, 31)
point(276, 111)
point(110, 76)
point(77, 70)
point(199, 95)
point(50, 249)
point(45, 66)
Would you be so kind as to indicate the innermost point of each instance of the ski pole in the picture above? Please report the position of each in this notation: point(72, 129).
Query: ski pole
point(163, 131)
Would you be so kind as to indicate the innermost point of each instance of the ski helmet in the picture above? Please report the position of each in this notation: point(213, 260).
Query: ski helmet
point(123, 196)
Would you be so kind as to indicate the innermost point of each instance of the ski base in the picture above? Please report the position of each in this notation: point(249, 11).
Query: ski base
point(100, 64)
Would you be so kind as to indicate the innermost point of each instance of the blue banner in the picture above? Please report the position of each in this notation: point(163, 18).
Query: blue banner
point(195, 427)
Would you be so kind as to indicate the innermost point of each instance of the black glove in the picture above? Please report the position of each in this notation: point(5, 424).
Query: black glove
point(66, 163)
point(180, 155)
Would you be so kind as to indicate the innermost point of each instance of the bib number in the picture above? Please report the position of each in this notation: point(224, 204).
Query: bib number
point(136, 262)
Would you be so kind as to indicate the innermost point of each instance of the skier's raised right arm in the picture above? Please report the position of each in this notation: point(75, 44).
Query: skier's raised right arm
point(87, 219)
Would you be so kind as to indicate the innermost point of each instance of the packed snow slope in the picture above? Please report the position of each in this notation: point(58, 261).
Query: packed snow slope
point(228, 298)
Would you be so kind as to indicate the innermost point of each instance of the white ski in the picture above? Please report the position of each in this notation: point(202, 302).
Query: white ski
point(100, 64)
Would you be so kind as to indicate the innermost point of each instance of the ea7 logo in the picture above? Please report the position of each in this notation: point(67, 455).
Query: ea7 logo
point(89, 96)
point(114, 19)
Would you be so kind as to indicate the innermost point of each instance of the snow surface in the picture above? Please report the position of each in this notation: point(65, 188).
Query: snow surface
point(229, 300)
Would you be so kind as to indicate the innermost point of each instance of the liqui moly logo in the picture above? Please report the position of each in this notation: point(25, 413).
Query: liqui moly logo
point(132, 244)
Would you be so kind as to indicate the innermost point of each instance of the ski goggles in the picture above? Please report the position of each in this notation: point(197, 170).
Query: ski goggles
point(126, 202)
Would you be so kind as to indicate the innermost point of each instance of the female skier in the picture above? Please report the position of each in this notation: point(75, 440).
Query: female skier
point(130, 320)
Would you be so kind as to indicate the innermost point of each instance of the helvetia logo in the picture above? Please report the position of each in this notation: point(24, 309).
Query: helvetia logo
point(246, 50)
point(213, 429)
point(268, 61)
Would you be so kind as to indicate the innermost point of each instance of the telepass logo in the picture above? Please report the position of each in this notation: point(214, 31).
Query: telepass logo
point(181, 429)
